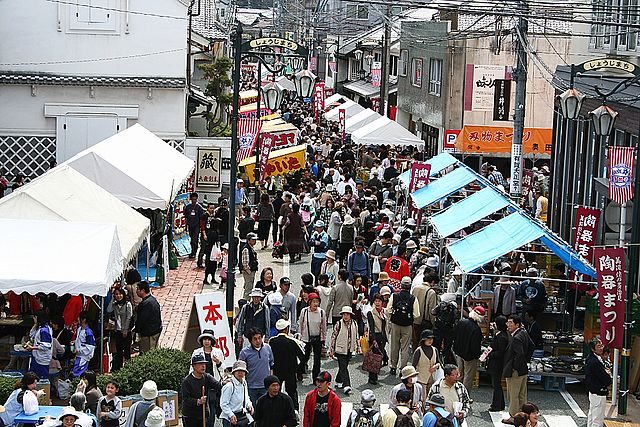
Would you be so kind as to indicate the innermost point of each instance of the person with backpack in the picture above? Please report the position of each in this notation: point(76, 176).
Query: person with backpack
point(401, 310)
point(516, 365)
point(365, 416)
point(401, 415)
point(138, 412)
point(344, 344)
point(274, 302)
point(436, 412)
point(467, 345)
point(445, 315)
point(427, 298)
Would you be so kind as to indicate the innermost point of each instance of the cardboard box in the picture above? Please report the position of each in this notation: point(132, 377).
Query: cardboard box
point(168, 401)
point(127, 402)
point(45, 385)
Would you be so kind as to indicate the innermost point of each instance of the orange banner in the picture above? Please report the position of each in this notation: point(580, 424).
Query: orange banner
point(498, 139)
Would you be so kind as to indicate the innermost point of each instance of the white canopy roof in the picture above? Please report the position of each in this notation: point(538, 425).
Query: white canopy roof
point(361, 119)
point(286, 83)
point(385, 131)
point(336, 97)
point(136, 166)
point(58, 257)
point(62, 194)
point(350, 107)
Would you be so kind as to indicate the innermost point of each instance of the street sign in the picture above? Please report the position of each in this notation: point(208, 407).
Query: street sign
point(450, 136)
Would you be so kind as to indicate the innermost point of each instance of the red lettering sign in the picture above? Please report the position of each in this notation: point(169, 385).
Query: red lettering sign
point(610, 264)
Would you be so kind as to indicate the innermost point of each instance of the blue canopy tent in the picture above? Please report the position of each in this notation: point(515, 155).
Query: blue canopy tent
point(443, 187)
point(438, 164)
point(468, 211)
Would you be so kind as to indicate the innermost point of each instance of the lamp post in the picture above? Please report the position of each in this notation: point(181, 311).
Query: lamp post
point(304, 82)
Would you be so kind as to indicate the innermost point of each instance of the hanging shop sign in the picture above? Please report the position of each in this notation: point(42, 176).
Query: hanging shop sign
point(419, 176)
point(281, 162)
point(610, 264)
point(479, 86)
point(208, 165)
point(497, 139)
point(501, 100)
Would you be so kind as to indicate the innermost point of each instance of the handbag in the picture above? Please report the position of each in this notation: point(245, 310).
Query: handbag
point(241, 416)
point(372, 361)
point(364, 345)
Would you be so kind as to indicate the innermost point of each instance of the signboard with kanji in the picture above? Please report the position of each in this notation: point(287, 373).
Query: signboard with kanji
point(497, 139)
point(208, 167)
point(281, 162)
point(586, 228)
point(419, 176)
point(212, 315)
point(480, 81)
point(610, 264)
point(501, 100)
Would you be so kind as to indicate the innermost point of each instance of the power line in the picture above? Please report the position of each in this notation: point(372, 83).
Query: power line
point(133, 12)
point(77, 61)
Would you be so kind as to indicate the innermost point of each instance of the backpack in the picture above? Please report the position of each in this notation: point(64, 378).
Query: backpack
point(446, 318)
point(402, 309)
point(403, 420)
point(365, 419)
point(438, 415)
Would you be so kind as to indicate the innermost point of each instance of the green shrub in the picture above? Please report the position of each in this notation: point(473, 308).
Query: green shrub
point(7, 385)
point(167, 367)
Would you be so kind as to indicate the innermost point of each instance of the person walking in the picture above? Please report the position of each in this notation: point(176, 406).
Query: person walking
point(214, 358)
point(426, 360)
point(193, 212)
point(409, 382)
point(211, 238)
point(289, 302)
point(330, 267)
point(454, 392)
point(194, 392)
point(377, 328)
point(401, 310)
point(341, 295)
point(597, 382)
point(427, 300)
point(436, 411)
point(294, 233)
point(495, 362)
point(322, 406)
point(313, 332)
point(467, 345)
point(274, 408)
point(366, 416)
point(287, 354)
point(249, 264)
point(346, 239)
point(402, 414)
point(344, 344)
point(148, 318)
point(235, 403)
point(253, 315)
point(516, 365)
point(358, 263)
point(259, 359)
point(320, 242)
point(265, 218)
point(85, 345)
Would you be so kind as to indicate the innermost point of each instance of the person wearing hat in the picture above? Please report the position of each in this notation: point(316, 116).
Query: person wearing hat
point(376, 287)
point(365, 416)
point(358, 263)
point(253, 315)
point(330, 267)
point(139, 410)
point(425, 359)
point(453, 391)
point(68, 417)
point(322, 406)
point(532, 292)
point(467, 345)
point(409, 382)
point(437, 411)
point(259, 359)
point(403, 408)
point(235, 403)
point(249, 263)
point(193, 212)
point(320, 242)
point(454, 281)
point(275, 408)
point(418, 259)
point(213, 355)
point(155, 418)
point(313, 333)
point(287, 354)
point(401, 310)
point(195, 393)
point(397, 267)
point(326, 195)
point(344, 344)
point(504, 298)
point(274, 302)
point(427, 299)
point(342, 294)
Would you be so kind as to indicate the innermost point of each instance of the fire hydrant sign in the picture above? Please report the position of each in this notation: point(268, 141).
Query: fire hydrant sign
point(212, 315)
point(610, 264)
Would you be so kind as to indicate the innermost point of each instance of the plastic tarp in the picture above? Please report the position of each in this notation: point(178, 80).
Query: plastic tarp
point(350, 107)
point(469, 210)
point(59, 257)
point(136, 166)
point(442, 187)
point(361, 119)
point(385, 131)
point(567, 254)
point(438, 164)
point(62, 194)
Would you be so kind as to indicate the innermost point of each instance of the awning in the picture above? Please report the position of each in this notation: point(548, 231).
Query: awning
point(248, 94)
point(281, 162)
point(467, 211)
point(385, 131)
point(367, 89)
point(361, 119)
point(442, 187)
point(438, 164)
point(350, 107)
point(336, 98)
point(286, 83)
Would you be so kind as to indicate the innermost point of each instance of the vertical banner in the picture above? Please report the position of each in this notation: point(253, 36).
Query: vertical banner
point(527, 182)
point(376, 73)
point(610, 264)
point(211, 315)
point(267, 142)
point(501, 99)
point(313, 63)
point(342, 119)
point(621, 174)
point(332, 66)
point(586, 227)
point(248, 131)
point(516, 170)
point(419, 176)
point(180, 233)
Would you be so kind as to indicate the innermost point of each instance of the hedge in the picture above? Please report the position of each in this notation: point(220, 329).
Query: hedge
point(7, 385)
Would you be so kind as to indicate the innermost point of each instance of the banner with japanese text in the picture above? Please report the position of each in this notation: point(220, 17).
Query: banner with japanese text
point(180, 233)
point(267, 141)
point(498, 139)
point(586, 227)
point(281, 162)
point(621, 174)
point(211, 311)
point(610, 265)
point(208, 167)
point(419, 176)
point(376, 73)
point(342, 119)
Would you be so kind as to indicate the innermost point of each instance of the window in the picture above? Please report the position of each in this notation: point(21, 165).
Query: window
point(357, 11)
point(93, 17)
point(435, 76)
point(393, 66)
point(627, 37)
point(416, 72)
point(402, 62)
point(363, 12)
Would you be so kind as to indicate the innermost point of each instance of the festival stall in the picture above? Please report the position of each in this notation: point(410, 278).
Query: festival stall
point(350, 108)
point(250, 110)
point(287, 134)
point(248, 96)
point(385, 131)
point(62, 194)
point(359, 120)
point(280, 162)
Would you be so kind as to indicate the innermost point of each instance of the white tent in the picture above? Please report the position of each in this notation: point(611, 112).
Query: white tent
point(350, 107)
point(62, 194)
point(58, 257)
point(385, 131)
point(136, 166)
point(286, 83)
point(361, 119)
point(336, 97)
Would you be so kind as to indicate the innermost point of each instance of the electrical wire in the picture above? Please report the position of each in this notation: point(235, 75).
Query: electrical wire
point(78, 61)
point(133, 12)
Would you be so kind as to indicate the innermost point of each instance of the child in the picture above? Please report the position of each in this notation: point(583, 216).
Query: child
point(85, 345)
point(110, 406)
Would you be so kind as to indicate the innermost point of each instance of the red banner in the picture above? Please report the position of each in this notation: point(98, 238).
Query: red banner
point(419, 176)
point(267, 141)
point(621, 174)
point(586, 229)
point(342, 118)
point(610, 264)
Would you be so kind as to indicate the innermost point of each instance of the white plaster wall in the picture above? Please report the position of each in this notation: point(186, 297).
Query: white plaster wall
point(30, 36)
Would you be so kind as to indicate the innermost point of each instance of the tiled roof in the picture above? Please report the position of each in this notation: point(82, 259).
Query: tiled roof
point(206, 24)
point(13, 78)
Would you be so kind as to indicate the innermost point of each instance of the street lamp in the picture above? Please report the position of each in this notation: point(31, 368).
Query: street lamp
point(603, 119)
point(571, 103)
point(369, 59)
point(304, 81)
point(272, 93)
point(358, 54)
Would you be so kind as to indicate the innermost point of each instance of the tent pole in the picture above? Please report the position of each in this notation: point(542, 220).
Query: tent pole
point(464, 283)
point(148, 252)
point(102, 334)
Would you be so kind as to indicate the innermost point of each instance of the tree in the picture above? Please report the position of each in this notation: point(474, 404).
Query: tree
point(217, 73)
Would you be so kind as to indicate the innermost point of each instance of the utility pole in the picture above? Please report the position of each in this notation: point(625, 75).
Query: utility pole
point(520, 76)
point(190, 14)
point(386, 51)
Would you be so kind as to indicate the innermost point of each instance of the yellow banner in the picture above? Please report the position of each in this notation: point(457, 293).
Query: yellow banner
point(281, 162)
point(498, 139)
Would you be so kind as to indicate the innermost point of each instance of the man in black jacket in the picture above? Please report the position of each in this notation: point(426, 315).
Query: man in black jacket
point(148, 318)
point(516, 367)
point(287, 355)
point(274, 408)
point(467, 345)
point(597, 380)
point(196, 387)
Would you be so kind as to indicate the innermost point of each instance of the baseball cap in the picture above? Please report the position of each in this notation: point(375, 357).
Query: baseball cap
point(324, 376)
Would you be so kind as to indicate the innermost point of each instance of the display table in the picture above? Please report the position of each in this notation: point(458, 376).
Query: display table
point(53, 412)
